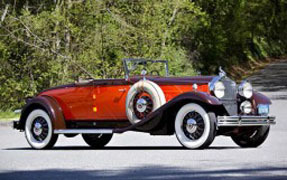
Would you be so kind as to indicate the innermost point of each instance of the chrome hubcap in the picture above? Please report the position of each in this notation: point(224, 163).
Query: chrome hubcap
point(141, 105)
point(37, 129)
point(191, 125)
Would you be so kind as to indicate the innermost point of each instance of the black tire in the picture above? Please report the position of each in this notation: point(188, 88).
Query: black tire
point(70, 135)
point(97, 140)
point(212, 135)
point(251, 137)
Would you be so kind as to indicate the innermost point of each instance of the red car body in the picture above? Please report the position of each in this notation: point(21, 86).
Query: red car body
point(101, 105)
point(101, 100)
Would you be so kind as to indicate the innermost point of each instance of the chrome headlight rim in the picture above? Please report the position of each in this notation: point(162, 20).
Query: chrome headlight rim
point(217, 87)
point(245, 89)
point(246, 107)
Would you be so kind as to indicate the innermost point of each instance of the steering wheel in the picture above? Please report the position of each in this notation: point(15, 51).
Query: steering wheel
point(154, 72)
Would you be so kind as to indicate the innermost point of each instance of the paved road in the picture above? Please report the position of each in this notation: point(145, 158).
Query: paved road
point(140, 156)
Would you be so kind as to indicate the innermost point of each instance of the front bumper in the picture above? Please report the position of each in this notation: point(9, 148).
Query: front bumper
point(245, 120)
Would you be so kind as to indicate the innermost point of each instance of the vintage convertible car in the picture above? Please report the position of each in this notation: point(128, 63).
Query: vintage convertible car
point(196, 109)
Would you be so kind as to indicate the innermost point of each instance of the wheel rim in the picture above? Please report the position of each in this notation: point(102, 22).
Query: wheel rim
point(193, 125)
point(39, 129)
point(142, 105)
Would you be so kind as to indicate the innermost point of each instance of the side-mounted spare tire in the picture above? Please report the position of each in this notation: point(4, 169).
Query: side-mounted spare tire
point(143, 98)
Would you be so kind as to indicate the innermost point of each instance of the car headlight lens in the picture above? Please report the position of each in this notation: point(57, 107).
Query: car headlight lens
point(219, 89)
point(245, 89)
point(246, 107)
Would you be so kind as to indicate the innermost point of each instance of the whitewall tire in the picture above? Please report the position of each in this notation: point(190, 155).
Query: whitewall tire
point(155, 99)
point(39, 130)
point(194, 127)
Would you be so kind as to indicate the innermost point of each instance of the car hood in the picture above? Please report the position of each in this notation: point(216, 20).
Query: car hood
point(176, 80)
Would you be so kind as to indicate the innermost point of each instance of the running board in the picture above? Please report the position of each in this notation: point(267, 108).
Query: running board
point(83, 131)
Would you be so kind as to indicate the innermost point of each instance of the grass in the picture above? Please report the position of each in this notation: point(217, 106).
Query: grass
point(8, 116)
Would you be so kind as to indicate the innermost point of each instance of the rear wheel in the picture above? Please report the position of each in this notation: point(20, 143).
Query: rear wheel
point(194, 127)
point(251, 137)
point(97, 140)
point(39, 130)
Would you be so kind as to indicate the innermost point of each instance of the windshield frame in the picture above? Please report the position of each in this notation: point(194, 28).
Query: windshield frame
point(142, 60)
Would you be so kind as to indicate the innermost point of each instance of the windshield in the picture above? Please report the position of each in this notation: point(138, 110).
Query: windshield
point(145, 66)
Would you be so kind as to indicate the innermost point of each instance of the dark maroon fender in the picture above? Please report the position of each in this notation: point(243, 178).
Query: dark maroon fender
point(259, 98)
point(193, 96)
point(48, 104)
point(167, 111)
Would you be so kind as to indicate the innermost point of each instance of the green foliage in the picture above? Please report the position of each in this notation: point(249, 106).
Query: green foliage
point(241, 31)
point(47, 43)
point(8, 116)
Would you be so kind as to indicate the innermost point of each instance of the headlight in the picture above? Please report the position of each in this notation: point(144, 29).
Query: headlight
point(245, 89)
point(246, 107)
point(219, 89)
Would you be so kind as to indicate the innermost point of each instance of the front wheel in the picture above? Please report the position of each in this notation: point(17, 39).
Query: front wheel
point(194, 127)
point(39, 130)
point(97, 140)
point(251, 137)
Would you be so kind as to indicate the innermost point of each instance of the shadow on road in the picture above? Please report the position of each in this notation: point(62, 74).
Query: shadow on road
point(151, 172)
point(122, 148)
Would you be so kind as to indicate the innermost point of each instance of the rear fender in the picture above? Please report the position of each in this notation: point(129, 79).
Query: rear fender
point(47, 103)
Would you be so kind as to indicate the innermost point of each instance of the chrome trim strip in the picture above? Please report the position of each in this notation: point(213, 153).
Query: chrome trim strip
point(83, 131)
point(245, 120)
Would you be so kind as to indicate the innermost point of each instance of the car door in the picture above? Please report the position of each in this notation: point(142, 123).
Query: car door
point(109, 99)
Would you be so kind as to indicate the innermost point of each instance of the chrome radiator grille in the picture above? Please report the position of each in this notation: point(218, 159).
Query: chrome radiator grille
point(230, 96)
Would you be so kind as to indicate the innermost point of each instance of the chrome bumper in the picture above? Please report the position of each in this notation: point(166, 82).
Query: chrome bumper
point(245, 120)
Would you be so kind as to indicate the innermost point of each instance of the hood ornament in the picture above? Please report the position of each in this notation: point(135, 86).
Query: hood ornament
point(221, 72)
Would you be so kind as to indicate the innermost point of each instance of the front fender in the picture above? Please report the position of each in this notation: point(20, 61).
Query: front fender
point(196, 96)
point(168, 111)
point(259, 98)
point(47, 103)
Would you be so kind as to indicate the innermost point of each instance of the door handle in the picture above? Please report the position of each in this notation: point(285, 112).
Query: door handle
point(123, 90)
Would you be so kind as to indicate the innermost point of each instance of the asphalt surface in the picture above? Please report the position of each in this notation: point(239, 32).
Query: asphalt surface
point(141, 156)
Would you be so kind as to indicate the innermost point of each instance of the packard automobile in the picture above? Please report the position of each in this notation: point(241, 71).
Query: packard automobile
point(195, 109)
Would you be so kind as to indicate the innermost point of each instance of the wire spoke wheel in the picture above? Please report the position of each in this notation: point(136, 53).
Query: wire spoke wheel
point(143, 98)
point(142, 105)
point(39, 130)
point(194, 127)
